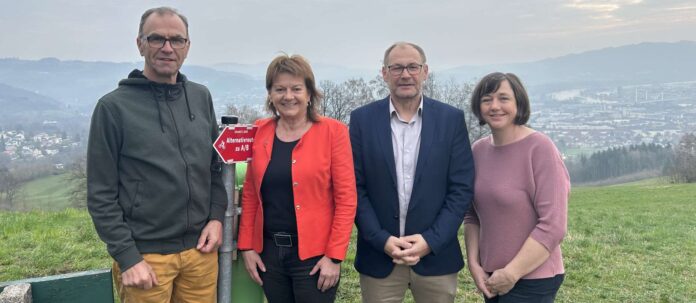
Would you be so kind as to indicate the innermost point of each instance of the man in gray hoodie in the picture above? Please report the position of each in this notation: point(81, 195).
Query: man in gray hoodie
point(154, 188)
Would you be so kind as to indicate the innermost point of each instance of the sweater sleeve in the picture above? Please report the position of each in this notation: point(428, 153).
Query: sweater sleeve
point(551, 190)
point(103, 187)
point(471, 216)
point(344, 194)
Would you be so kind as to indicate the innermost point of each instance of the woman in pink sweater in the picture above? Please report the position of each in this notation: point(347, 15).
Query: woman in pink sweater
point(514, 230)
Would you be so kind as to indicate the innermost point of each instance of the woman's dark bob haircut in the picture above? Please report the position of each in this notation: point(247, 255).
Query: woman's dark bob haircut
point(297, 66)
point(490, 84)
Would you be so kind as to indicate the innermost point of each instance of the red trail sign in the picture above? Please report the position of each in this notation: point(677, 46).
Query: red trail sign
point(234, 143)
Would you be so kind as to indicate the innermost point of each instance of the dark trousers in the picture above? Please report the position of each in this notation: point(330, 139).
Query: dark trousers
point(531, 291)
point(287, 278)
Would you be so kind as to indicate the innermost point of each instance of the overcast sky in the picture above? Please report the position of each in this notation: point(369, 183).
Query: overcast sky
point(352, 33)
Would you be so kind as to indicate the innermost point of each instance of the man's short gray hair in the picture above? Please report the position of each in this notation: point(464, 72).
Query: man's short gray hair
point(400, 44)
point(161, 11)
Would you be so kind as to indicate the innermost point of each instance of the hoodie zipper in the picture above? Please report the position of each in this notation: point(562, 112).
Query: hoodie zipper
point(188, 183)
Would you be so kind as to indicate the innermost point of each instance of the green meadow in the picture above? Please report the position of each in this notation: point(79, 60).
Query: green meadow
point(47, 193)
point(626, 243)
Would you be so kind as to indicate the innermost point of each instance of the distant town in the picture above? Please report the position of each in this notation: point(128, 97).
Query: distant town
point(595, 119)
point(18, 145)
point(578, 120)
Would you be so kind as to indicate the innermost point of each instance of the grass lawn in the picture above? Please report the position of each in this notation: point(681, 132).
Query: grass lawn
point(630, 243)
point(40, 243)
point(47, 193)
point(633, 243)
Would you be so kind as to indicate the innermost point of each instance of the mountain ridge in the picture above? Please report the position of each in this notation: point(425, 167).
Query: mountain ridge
point(79, 84)
point(647, 62)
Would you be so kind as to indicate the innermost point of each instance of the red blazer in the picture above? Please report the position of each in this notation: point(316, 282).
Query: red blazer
point(324, 189)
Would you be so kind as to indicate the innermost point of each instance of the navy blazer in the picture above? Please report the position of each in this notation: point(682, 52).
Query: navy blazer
point(442, 187)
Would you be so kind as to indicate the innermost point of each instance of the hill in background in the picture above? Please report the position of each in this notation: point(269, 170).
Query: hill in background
point(14, 99)
point(73, 87)
point(20, 106)
point(642, 63)
point(80, 84)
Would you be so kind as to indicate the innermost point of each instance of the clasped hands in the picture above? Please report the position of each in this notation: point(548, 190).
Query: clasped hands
point(499, 283)
point(407, 250)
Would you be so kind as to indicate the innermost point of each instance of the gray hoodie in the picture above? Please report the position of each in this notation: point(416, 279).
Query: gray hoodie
point(153, 181)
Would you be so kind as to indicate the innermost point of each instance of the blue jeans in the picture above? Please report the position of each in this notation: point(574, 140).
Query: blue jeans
point(531, 291)
point(287, 278)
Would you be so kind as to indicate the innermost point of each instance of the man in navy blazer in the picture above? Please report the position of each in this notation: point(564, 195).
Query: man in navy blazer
point(414, 174)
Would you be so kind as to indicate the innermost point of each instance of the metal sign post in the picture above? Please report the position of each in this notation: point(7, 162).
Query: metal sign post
point(228, 245)
point(233, 145)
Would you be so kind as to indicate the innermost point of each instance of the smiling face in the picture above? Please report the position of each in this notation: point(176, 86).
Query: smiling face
point(405, 86)
point(162, 64)
point(289, 96)
point(499, 108)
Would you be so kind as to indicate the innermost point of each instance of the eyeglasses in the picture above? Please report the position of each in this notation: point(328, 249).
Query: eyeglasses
point(157, 41)
point(396, 70)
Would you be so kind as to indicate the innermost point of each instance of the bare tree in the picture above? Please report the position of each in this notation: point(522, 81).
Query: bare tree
point(459, 96)
point(336, 103)
point(247, 114)
point(476, 131)
point(378, 88)
point(10, 188)
point(77, 177)
point(358, 92)
point(432, 88)
point(683, 168)
point(341, 99)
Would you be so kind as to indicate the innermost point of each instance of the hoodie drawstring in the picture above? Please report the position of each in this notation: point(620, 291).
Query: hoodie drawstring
point(155, 96)
point(159, 111)
point(188, 106)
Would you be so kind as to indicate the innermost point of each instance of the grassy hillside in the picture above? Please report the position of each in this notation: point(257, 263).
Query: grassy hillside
point(47, 193)
point(630, 243)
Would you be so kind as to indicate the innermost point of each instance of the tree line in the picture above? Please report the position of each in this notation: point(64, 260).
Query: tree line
point(619, 161)
point(677, 163)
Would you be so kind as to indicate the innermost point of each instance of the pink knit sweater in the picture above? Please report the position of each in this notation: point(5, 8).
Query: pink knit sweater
point(521, 190)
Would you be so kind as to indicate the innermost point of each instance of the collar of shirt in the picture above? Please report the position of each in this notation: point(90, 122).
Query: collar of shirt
point(392, 110)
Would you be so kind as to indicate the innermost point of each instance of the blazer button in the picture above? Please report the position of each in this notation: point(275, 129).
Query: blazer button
point(396, 217)
point(294, 184)
point(297, 207)
point(294, 161)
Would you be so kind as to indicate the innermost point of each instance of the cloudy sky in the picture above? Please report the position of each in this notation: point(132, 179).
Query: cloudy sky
point(351, 33)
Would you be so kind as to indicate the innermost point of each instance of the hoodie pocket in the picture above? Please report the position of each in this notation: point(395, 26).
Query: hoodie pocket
point(130, 191)
point(136, 198)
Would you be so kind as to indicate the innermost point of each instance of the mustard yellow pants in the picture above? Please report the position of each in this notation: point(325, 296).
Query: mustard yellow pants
point(186, 277)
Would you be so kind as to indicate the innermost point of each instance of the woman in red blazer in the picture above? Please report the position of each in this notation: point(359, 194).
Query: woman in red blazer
point(299, 197)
